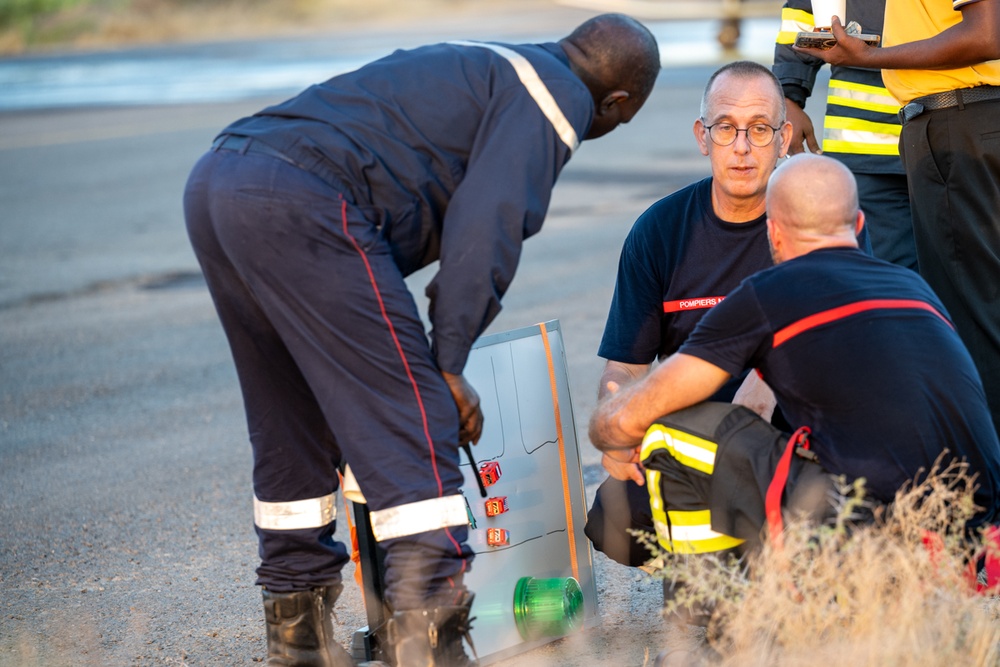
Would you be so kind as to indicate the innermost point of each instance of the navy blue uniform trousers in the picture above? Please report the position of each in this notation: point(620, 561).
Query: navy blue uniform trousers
point(333, 364)
point(885, 199)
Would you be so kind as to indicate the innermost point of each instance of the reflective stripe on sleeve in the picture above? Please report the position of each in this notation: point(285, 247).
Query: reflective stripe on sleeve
point(419, 517)
point(296, 514)
point(543, 98)
point(794, 21)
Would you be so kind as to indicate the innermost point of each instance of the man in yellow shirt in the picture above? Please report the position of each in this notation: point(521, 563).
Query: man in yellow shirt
point(941, 61)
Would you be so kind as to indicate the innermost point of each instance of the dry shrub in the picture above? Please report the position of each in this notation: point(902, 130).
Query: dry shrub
point(893, 592)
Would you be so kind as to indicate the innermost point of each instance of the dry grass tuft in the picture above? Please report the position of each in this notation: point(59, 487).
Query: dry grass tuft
point(873, 594)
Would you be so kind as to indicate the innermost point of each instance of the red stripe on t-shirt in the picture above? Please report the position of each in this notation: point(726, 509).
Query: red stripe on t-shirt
point(827, 316)
point(695, 303)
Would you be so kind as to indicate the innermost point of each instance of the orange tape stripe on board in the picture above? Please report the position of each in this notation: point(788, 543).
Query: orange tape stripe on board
point(562, 454)
point(355, 552)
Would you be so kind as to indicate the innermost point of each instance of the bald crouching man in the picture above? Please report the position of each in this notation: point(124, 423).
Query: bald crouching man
point(862, 358)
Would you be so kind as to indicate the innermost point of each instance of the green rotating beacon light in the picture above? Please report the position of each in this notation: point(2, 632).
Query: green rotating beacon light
point(547, 607)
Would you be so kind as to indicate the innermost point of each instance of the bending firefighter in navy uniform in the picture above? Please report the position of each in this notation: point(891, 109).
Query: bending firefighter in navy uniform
point(305, 218)
point(842, 339)
point(861, 126)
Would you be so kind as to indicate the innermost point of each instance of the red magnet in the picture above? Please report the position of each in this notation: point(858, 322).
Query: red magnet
point(496, 506)
point(497, 537)
point(489, 472)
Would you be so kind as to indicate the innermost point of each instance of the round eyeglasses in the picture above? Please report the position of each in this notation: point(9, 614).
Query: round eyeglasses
point(759, 134)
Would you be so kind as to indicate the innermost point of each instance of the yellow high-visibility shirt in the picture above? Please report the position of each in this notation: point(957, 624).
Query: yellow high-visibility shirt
point(914, 20)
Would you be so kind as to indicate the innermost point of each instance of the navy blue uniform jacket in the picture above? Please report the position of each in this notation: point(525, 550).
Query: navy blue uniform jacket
point(449, 156)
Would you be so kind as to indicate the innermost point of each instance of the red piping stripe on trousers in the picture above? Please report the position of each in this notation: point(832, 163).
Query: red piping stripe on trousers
point(402, 357)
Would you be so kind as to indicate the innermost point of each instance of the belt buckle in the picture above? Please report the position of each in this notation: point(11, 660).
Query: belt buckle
point(910, 111)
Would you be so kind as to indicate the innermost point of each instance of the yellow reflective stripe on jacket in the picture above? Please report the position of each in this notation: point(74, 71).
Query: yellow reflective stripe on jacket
point(692, 533)
point(854, 135)
point(861, 96)
point(690, 450)
point(794, 21)
point(684, 532)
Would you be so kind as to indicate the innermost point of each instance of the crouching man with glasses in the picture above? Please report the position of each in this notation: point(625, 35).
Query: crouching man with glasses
point(682, 256)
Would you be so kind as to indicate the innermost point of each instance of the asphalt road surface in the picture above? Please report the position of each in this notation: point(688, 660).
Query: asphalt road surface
point(126, 535)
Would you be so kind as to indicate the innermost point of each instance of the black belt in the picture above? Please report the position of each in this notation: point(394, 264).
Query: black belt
point(244, 145)
point(949, 98)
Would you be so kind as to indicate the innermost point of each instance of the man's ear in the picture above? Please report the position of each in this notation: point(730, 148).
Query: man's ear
point(610, 100)
point(786, 138)
point(859, 224)
point(700, 135)
point(774, 238)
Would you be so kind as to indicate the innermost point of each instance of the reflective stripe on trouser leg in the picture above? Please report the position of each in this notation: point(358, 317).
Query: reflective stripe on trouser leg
point(296, 514)
point(419, 517)
point(683, 525)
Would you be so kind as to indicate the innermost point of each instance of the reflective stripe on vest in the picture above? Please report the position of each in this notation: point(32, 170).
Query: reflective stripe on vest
point(536, 88)
point(794, 21)
point(419, 517)
point(847, 134)
point(795, 328)
point(861, 96)
point(296, 514)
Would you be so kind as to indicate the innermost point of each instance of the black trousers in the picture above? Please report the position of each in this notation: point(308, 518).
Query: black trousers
point(952, 160)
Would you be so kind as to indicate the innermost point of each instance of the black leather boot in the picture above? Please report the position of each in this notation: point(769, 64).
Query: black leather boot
point(432, 637)
point(300, 629)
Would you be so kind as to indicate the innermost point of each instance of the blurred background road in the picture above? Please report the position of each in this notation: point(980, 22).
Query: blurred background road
point(126, 535)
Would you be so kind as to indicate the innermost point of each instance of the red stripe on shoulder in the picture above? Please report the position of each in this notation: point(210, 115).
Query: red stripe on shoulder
point(827, 316)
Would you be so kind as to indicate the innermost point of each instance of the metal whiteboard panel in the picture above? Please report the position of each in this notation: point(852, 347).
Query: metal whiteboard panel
point(522, 381)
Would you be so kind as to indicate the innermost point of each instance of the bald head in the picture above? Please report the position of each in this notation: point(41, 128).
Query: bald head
point(812, 202)
point(617, 58)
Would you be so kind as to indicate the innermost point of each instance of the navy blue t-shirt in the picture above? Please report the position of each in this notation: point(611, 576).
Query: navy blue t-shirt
point(678, 261)
point(862, 352)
